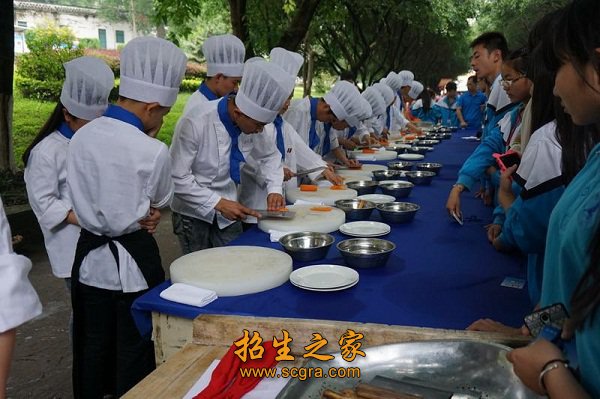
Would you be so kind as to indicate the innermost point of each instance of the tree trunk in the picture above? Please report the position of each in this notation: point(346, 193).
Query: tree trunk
point(309, 65)
point(239, 24)
point(160, 30)
point(298, 26)
point(7, 58)
point(132, 13)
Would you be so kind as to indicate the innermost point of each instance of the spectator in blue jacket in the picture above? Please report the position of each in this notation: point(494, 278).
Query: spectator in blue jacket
point(470, 106)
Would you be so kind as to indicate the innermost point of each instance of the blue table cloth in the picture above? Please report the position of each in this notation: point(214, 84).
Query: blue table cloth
point(441, 275)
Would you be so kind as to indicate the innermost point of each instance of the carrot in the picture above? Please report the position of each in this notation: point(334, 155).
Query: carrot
point(368, 151)
point(337, 187)
point(282, 209)
point(321, 208)
point(308, 187)
point(355, 167)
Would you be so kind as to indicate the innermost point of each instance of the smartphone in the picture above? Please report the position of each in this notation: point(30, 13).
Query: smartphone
point(507, 159)
point(553, 315)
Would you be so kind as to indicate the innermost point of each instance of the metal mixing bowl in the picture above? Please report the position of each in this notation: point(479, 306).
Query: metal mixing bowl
point(428, 142)
point(420, 177)
point(356, 209)
point(385, 175)
point(398, 212)
point(399, 189)
point(417, 150)
point(400, 165)
point(363, 186)
point(366, 252)
point(307, 246)
point(430, 167)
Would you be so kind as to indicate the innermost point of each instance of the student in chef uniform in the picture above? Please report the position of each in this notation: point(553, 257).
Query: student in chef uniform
point(406, 79)
point(350, 137)
point(388, 96)
point(19, 302)
point(416, 88)
point(117, 171)
point(377, 103)
point(84, 97)
point(208, 148)
point(395, 120)
point(295, 153)
point(224, 56)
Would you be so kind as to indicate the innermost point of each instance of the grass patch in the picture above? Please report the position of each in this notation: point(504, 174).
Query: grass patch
point(168, 127)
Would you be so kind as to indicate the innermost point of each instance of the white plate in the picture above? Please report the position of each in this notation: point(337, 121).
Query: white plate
point(403, 178)
point(400, 144)
point(327, 289)
point(324, 277)
point(365, 229)
point(411, 157)
point(377, 198)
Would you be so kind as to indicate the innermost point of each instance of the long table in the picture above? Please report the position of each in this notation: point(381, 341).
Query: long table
point(441, 275)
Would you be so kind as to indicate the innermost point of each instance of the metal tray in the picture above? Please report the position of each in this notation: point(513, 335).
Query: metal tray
point(458, 365)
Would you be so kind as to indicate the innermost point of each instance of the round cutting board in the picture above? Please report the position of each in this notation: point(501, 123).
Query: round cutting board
point(365, 169)
point(377, 156)
point(323, 195)
point(233, 270)
point(354, 175)
point(306, 220)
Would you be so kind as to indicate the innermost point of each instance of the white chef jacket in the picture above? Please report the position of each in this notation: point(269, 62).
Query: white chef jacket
point(397, 120)
point(196, 98)
point(46, 182)
point(298, 115)
point(19, 302)
point(115, 174)
point(298, 156)
point(200, 152)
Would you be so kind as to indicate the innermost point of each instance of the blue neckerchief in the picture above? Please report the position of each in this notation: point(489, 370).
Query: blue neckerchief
point(278, 122)
point(327, 140)
point(121, 114)
point(207, 92)
point(313, 137)
point(401, 102)
point(65, 130)
point(388, 117)
point(351, 132)
point(235, 155)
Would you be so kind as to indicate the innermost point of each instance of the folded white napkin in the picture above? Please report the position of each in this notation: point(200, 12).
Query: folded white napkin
point(308, 202)
point(188, 295)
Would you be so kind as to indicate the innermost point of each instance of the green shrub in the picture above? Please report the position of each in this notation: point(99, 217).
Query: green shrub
point(196, 70)
point(111, 57)
point(40, 72)
point(189, 85)
point(92, 43)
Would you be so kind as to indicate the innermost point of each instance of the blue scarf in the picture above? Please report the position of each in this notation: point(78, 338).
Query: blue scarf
point(121, 114)
point(235, 155)
point(313, 137)
point(278, 122)
point(65, 130)
point(351, 132)
point(388, 117)
point(207, 92)
point(327, 141)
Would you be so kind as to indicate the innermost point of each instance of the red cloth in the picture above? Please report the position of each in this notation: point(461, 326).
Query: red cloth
point(226, 382)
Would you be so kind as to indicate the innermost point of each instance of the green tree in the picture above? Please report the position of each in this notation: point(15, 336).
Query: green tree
point(7, 58)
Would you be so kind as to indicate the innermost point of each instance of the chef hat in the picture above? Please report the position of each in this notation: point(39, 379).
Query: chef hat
point(345, 102)
point(224, 54)
point(264, 89)
point(88, 82)
point(386, 92)
point(151, 70)
point(393, 80)
point(290, 61)
point(415, 89)
point(406, 78)
point(366, 111)
point(375, 99)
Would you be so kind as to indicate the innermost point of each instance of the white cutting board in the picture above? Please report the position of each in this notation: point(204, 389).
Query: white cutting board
point(365, 169)
point(233, 270)
point(323, 195)
point(306, 220)
point(377, 156)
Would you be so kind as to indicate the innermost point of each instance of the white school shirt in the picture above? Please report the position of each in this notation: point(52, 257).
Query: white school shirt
point(19, 302)
point(498, 98)
point(115, 174)
point(48, 193)
point(298, 156)
point(200, 152)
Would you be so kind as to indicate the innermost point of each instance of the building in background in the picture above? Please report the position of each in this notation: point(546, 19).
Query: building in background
point(84, 22)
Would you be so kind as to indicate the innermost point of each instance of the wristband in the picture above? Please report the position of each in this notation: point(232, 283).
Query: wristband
point(548, 367)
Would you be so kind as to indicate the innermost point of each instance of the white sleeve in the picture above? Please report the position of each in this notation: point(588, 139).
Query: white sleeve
point(160, 184)
point(43, 192)
point(265, 152)
point(305, 157)
point(184, 149)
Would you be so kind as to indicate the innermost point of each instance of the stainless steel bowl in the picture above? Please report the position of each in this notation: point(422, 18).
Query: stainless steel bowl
point(400, 165)
point(435, 136)
point(366, 252)
point(446, 135)
point(363, 186)
point(420, 177)
point(398, 212)
point(430, 167)
point(417, 150)
point(385, 175)
point(356, 209)
point(399, 189)
point(307, 246)
point(428, 142)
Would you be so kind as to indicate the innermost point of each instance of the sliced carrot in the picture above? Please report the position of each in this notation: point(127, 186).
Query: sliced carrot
point(282, 209)
point(355, 167)
point(321, 208)
point(368, 151)
point(337, 187)
point(308, 187)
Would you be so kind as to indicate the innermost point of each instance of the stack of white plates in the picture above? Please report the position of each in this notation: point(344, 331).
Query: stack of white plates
point(324, 278)
point(411, 157)
point(365, 229)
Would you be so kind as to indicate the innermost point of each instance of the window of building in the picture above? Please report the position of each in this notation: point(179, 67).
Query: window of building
point(22, 24)
point(120, 36)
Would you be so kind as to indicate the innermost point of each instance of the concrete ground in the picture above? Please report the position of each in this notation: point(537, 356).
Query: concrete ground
point(41, 366)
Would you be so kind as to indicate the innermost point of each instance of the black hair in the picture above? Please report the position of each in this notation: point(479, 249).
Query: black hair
point(54, 121)
point(450, 86)
point(492, 41)
point(473, 79)
point(426, 99)
point(519, 60)
point(348, 75)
